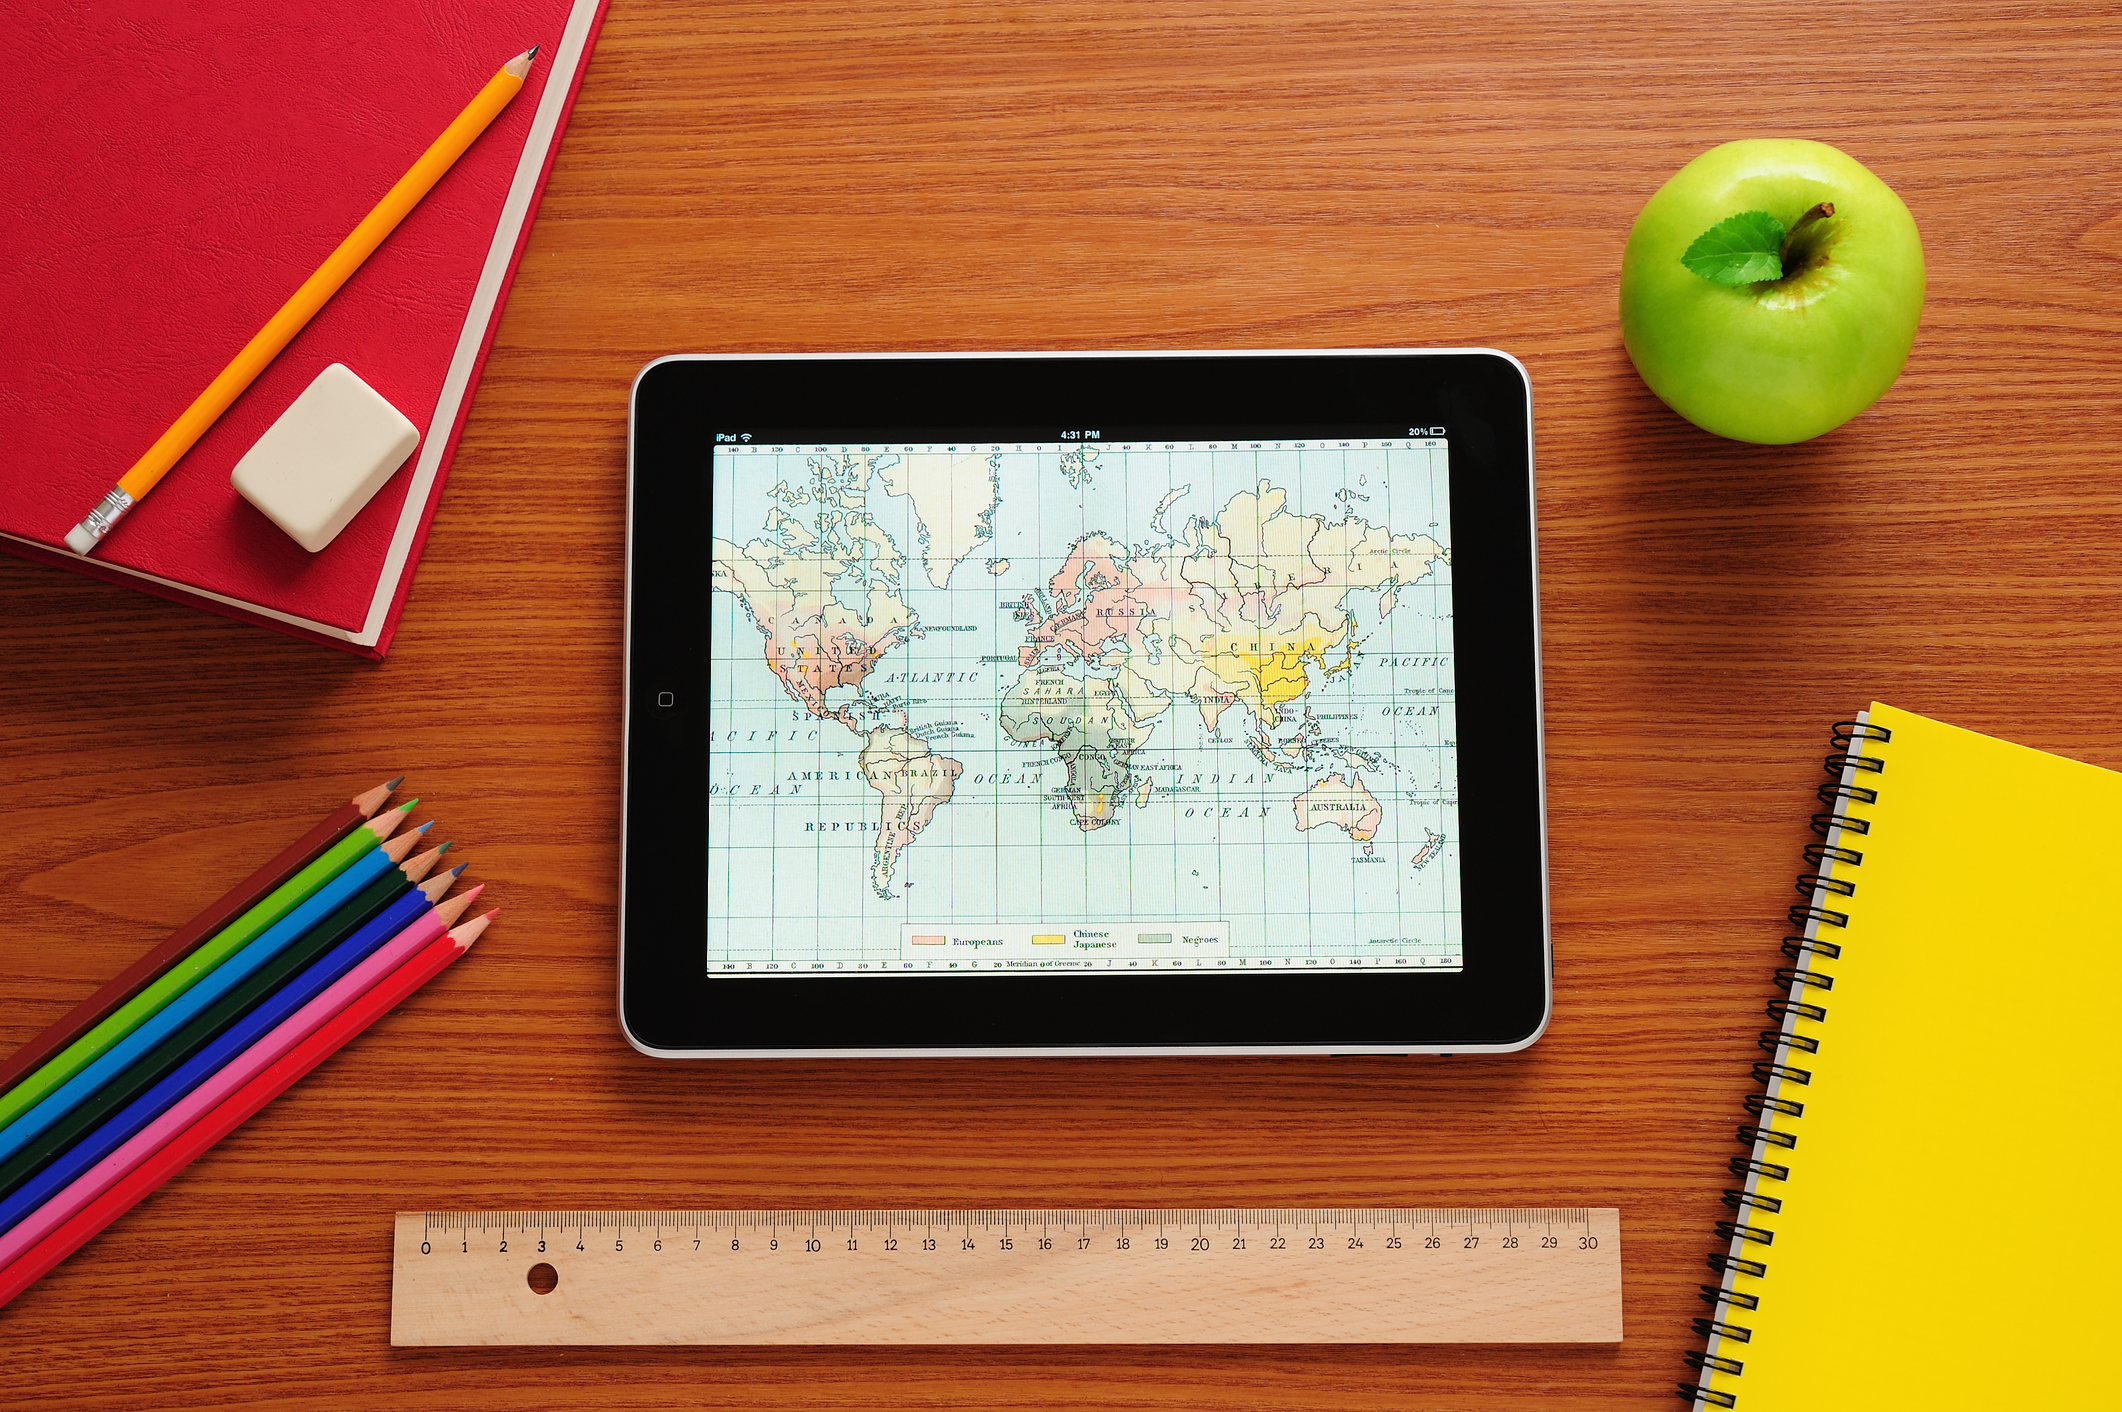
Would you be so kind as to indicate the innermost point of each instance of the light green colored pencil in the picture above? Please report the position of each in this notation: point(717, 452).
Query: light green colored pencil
point(175, 981)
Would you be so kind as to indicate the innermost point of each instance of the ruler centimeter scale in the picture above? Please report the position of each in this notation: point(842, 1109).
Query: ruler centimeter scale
point(1361, 1275)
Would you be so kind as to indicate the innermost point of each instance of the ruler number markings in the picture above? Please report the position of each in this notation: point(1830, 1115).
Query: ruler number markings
point(1130, 1233)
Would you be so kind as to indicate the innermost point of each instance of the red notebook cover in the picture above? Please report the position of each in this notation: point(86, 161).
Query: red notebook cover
point(176, 172)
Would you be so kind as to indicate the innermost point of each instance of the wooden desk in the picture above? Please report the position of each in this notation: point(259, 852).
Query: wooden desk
point(1065, 175)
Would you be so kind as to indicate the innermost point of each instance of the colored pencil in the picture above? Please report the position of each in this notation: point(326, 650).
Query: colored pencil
point(128, 1017)
point(62, 1136)
point(301, 306)
point(152, 1158)
point(398, 919)
point(233, 904)
point(186, 1004)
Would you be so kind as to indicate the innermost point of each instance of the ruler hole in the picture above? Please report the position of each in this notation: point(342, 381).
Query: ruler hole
point(544, 1279)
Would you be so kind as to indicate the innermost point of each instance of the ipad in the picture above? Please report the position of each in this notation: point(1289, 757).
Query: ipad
point(1161, 703)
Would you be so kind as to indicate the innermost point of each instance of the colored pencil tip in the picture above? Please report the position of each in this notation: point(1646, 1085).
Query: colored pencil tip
point(465, 935)
point(407, 806)
point(458, 871)
point(395, 783)
point(532, 52)
point(417, 868)
point(444, 847)
point(368, 801)
point(473, 895)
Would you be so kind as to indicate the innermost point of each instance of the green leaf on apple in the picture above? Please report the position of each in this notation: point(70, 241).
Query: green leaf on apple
point(1742, 249)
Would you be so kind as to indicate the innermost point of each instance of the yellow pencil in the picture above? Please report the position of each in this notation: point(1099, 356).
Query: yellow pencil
point(299, 310)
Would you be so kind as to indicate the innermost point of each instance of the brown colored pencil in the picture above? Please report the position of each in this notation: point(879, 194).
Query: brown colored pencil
point(208, 1114)
point(240, 899)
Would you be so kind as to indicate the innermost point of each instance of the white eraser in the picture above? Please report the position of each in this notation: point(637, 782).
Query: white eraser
point(331, 450)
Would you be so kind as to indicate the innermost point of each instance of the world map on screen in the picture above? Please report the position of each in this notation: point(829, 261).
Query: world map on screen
point(1064, 706)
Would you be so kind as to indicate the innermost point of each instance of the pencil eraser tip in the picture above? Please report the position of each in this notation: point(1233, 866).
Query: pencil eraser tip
point(80, 540)
point(327, 455)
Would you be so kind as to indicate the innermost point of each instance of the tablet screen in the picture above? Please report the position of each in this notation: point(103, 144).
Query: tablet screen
point(1119, 702)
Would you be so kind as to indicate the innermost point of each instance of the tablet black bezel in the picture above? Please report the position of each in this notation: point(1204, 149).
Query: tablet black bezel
point(671, 1005)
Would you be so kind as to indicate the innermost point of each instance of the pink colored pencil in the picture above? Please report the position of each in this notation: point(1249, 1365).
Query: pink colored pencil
point(232, 1076)
point(144, 1180)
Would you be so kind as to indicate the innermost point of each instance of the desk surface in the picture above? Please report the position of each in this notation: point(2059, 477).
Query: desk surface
point(752, 176)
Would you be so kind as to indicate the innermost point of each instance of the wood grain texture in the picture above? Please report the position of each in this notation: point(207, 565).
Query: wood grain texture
point(849, 174)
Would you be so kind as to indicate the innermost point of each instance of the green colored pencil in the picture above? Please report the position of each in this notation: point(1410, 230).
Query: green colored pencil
point(172, 1052)
point(178, 978)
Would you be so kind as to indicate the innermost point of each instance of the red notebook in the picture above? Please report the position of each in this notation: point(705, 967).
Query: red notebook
point(175, 173)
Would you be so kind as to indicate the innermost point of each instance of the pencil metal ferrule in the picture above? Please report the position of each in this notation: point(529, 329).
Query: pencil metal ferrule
point(99, 521)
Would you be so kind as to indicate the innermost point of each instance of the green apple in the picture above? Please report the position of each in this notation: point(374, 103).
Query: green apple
point(1771, 330)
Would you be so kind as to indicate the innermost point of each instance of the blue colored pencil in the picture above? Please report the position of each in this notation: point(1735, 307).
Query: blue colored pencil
point(240, 1036)
point(206, 990)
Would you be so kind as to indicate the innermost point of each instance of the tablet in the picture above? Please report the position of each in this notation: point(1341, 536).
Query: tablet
point(1082, 703)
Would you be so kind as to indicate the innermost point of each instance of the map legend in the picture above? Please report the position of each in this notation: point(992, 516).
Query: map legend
point(1089, 947)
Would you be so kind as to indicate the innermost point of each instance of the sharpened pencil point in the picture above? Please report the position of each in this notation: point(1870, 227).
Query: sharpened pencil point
point(369, 801)
point(445, 847)
point(395, 783)
point(519, 67)
point(458, 871)
point(465, 935)
point(399, 848)
point(423, 828)
point(455, 907)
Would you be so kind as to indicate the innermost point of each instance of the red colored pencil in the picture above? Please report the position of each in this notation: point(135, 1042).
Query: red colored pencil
point(240, 899)
point(233, 1111)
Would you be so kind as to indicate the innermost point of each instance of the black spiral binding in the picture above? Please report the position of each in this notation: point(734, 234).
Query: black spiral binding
point(1783, 1069)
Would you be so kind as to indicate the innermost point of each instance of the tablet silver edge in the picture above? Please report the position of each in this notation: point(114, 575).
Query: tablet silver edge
point(1547, 943)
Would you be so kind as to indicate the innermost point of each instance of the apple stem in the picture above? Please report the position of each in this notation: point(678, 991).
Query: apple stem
point(1804, 223)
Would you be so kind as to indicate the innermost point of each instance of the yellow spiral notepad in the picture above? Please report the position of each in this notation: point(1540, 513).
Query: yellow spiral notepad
point(1923, 1221)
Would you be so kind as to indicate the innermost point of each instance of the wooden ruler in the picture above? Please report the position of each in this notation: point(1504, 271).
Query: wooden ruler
point(1522, 1275)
